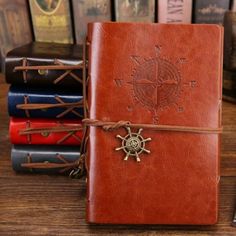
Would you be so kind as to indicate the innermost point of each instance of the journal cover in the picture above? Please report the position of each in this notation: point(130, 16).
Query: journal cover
point(135, 11)
point(44, 159)
point(178, 11)
point(89, 11)
point(45, 131)
point(51, 21)
point(210, 11)
point(44, 64)
point(153, 151)
point(44, 103)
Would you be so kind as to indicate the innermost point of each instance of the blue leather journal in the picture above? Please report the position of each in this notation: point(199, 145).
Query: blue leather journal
point(44, 159)
point(44, 103)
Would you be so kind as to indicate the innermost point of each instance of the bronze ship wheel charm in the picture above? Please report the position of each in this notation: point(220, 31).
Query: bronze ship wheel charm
point(133, 144)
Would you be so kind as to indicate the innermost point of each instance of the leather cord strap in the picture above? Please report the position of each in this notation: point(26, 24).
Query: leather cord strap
point(26, 100)
point(50, 129)
point(109, 126)
point(29, 160)
point(36, 106)
point(58, 66)
point(24, 63)
point(48, 67)
point(45, 131)
point(26, 106)
point(28, 135)
point(64, 165)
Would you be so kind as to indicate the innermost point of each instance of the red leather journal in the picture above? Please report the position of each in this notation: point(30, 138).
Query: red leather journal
point(153, 149)
point(45, 131)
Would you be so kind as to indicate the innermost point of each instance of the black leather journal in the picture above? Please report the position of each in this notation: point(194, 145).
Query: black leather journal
point(45, 64)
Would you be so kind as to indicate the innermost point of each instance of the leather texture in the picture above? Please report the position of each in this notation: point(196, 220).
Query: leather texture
point(45, 131)
point(21, 154)
point(164, 74)
point(22, 95)
point(39, 54)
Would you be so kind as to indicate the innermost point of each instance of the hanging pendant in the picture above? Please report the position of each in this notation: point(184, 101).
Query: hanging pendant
point(133, 144)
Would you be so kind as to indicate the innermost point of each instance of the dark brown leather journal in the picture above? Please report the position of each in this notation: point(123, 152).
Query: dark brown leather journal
point(229, 40)
point(154, 123)
point(45, 65)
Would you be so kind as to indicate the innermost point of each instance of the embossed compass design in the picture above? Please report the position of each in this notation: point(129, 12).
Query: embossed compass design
point(156, 82)
point(133, 144)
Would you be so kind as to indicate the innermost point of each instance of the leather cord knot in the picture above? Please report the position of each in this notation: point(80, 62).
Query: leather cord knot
point(107, 126)
point(36, 106)
point(117, 125)
point(64, 165)
point(79, 170)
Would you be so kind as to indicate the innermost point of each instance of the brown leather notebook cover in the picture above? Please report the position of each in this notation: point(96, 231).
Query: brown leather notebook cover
point(168, 80)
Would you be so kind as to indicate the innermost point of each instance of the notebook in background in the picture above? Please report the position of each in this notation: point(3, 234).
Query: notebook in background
point(89, 11)
point(210, 11)
point(14, 27)
point(174, 11)
point(51, 21)
point(134, 11)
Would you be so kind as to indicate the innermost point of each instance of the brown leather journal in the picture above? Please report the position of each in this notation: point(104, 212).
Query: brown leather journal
point(154, 123)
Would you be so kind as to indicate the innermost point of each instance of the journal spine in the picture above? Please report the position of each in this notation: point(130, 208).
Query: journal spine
point(89, 11)
point(210, 11)
point(89, 50)
point(172, 11)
